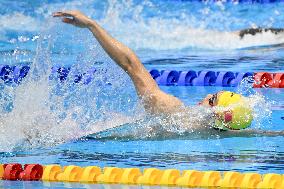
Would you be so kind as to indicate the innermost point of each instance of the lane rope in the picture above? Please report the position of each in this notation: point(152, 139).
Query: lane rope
point(15, 74)
point(134, 176)
point(217, 78)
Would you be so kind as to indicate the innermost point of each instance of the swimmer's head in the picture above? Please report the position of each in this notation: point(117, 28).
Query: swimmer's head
point(231, 110)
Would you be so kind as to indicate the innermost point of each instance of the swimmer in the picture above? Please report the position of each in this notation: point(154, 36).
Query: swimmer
point(156, 101)
point(254, 31)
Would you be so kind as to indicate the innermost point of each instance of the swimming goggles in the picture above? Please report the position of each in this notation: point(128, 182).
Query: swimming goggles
point(213, 99)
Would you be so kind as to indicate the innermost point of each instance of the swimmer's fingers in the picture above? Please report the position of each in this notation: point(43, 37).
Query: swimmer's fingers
point(75, 18)
point(68, 21)
point(64, 13)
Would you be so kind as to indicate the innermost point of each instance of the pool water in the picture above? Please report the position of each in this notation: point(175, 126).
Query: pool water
point(45, 121)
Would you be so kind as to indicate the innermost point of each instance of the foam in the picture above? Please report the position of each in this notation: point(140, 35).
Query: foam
point(21, 22)
point(41, 112)
point(44, 113)
point(137, 26)
point(262, 107)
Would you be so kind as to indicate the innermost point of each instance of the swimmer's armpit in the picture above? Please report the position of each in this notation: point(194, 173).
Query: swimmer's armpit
point(128, 61)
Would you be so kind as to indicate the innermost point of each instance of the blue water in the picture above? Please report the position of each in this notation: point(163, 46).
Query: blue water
point(165, 35)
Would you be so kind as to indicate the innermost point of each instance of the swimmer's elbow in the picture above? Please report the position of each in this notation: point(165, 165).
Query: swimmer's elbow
point(128, 60)
point(132, 58)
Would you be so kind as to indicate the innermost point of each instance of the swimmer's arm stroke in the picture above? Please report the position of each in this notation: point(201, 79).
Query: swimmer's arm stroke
point(154, 100)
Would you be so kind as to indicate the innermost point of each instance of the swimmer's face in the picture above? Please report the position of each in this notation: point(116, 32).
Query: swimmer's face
point(210, 100)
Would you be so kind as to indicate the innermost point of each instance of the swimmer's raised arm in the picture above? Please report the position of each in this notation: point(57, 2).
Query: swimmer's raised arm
point(154, 100)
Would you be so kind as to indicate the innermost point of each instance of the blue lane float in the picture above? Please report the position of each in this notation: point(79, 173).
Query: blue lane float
point(205, 78)
point(14, 74)
point(19, 72)
point(10, 74)
point(224, 79)
point(239, 77)
point(89, 76)
point(186, 78)
point(200, 78)
point(168, 77)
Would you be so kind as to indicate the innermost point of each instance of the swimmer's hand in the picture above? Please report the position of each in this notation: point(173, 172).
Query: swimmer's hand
point(75, 18)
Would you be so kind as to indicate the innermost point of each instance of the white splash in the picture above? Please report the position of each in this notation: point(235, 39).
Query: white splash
point(262, 107)
point(21, 22)
point(43, 112)
point(126, 20)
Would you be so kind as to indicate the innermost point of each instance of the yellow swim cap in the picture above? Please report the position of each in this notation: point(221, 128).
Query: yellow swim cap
point(234, 113)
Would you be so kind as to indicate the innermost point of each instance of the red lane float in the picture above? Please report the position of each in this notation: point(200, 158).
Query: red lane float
point(278, 81)
point(265, 79)
point(31, 172)
point(15, 171)
point(12, 171)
